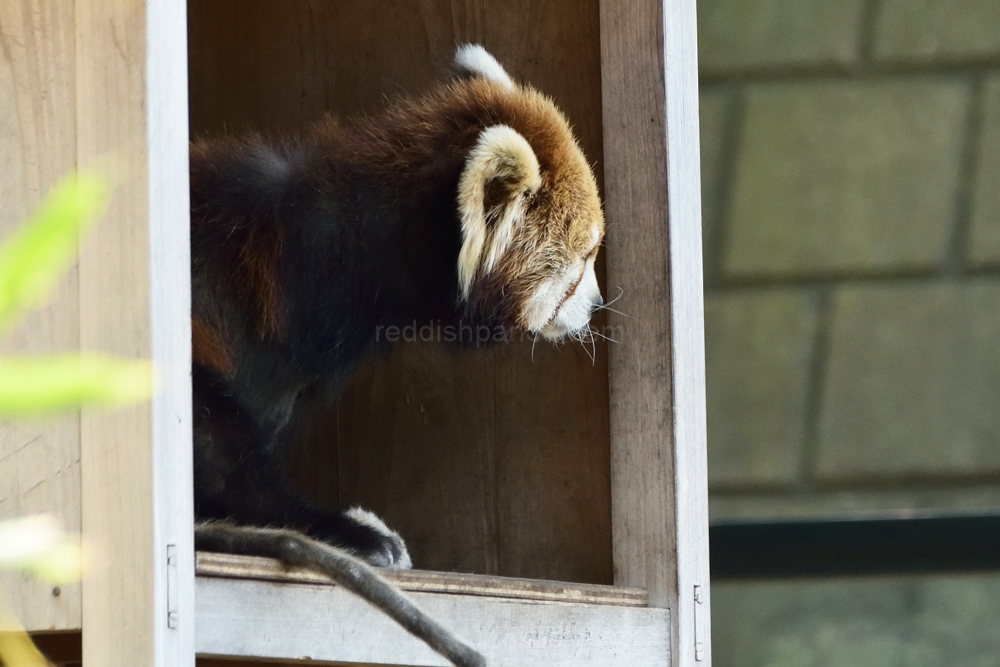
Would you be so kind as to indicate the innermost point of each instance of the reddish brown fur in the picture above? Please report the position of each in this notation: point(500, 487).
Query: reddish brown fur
point(421, 140)
point(556, 228)
point(208, 348)
point(260, 254)
point(251, 249)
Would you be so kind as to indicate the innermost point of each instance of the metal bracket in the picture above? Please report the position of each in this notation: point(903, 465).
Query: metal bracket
point(172, 586)
point(699, 624)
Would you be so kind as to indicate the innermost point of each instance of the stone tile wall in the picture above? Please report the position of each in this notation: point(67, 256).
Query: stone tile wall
point(851, 154)
point(939, 621)
point(851, 180)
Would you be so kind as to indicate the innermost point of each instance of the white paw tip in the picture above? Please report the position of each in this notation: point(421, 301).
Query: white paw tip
point(366, 518)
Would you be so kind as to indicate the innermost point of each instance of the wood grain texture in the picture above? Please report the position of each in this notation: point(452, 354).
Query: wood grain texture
point(116, 448)
point(492, 461)
point(39, 460)
point(247, 567)
point(638, 258)
point(659, 489)
point(134, 290)
point(324, 623)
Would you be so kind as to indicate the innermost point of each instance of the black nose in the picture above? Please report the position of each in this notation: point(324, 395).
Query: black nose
point(598, 303)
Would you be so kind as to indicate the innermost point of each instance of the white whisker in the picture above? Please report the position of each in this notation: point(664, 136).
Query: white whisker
point(598, 334)
point(607, 306)
point(621, 293)
point(578, 336)
point(612, 310)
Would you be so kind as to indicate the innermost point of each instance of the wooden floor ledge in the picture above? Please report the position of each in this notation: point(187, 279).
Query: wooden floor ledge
point(267, 569)
point(253, 608)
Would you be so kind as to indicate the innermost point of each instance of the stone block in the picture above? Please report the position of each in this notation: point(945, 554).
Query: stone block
point(854, 502)
point(845, 177)
point(984, 232)
point(912, 386)
point(759, 347)
point(833, 623)
point(873, 621)
point(937, 30)
point(957, 622)
point(738, 35)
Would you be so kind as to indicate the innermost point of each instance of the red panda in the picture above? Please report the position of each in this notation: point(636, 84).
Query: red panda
point(469, 204)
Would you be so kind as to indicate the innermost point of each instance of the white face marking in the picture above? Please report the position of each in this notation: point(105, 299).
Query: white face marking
point(574, 313)
point(543, 303)
point(555, 315)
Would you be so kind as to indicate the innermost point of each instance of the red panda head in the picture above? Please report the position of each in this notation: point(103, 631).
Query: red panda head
point(531, 218)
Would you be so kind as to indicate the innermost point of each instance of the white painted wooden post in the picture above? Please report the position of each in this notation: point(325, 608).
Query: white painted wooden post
point(170, 295)
point(687, 306)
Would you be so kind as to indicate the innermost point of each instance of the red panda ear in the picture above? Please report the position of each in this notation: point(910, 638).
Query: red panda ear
point(499, 173)
point(472, 60)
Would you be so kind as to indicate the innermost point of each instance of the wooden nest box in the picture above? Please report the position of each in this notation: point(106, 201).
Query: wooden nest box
point(563, 491)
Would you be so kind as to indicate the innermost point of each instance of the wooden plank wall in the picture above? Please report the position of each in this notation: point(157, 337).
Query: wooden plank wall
point(641, 392)
point(40, 460)
point(486, 461)
point(116, 506)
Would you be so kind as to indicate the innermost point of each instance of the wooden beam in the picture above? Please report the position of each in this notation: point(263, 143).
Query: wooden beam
point(651, 167)
point(267, 569)
point(134, 302)
point(326, 624)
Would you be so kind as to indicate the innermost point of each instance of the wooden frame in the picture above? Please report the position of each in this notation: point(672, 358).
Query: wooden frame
point(658, 432)
point(146, 606)
point(111, 76)
point(39, 463)
point(136, 464)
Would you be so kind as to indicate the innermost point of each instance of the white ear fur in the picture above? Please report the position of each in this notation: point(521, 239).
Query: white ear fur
point(474, 59)
point(500, 153)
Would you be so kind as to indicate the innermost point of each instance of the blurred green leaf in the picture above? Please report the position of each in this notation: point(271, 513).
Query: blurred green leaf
point(35, 256)
point(65, 382)
point(61, 564)
point(27, 536)
point(37, 544)
point(16, 647)
point(32, 260)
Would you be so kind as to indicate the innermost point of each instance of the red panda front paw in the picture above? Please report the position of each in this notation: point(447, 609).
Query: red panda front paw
point(384, 548)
